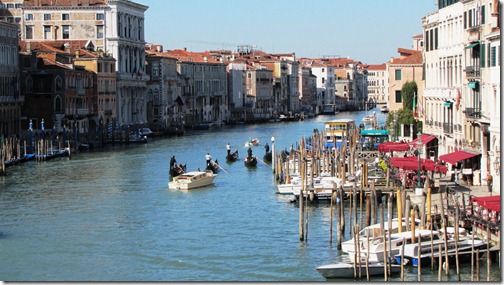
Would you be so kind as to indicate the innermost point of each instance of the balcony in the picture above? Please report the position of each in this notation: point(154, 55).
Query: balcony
point(108, 112)
point(472, 113)
point(448, 128)
point(82, 112)
point(472, 72)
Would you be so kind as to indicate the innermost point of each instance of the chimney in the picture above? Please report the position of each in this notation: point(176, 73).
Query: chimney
point(185, 49)
point(159, 48)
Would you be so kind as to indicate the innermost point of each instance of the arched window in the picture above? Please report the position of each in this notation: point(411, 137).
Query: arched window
point(58, 106)
point(29, 84)
point(58, 83)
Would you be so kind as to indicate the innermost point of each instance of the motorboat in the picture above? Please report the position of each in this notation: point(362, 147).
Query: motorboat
point(191, 180)
point(374, 232)
point(145, 132)
point(374, 250)
point(384, 109)
point(348, 270)
point(430, 250)
point(368, 118)
point(252, 142)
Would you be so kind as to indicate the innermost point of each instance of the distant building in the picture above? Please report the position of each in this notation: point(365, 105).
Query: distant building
point(377, 82)
point(10, 96)
point(406, 68)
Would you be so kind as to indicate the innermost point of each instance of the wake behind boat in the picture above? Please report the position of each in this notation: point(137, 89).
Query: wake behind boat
point(191, 180)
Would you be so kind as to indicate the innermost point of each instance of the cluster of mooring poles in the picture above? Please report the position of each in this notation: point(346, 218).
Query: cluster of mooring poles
point(310, 157)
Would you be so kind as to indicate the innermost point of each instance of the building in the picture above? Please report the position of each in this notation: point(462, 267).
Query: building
point(462, 92)
point(406, 68)
point(115, 27)
point(377, 82)
point(11, 99)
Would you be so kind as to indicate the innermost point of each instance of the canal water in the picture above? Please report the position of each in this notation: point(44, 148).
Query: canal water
point(109, 215)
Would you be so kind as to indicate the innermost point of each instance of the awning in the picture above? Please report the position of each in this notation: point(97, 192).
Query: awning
point(425, 140)
point(374, 133)
point(457, 156)
point(489, 202)
point(411, 163)
point(448, 104)
point(472, 45)
point(473, 84)
point(393, 146)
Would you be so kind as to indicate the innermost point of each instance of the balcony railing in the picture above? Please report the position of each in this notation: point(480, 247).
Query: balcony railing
point(472, 71)
point(473, 113)
point(82, 112)
point(448, 128)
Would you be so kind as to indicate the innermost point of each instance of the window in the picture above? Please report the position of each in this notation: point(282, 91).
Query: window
point(29, 32)
point(155, 69)
point(18, 5)
point(59, 84)
point(29, 17)
point(65, 17)
point(47, 32)
point(397, 74)
point(10, 5)
point(99, 32)
point(66, 32)
point(483, 14)
point(100, 16)
point(398, 97)
point(47, 17)
point(29, 84)
point(17, 19)
point(494, 57)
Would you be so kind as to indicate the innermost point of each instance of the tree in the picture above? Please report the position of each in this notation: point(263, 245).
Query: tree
point(408, 92)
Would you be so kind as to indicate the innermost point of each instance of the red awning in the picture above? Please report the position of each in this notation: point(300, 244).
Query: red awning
point(411, 163)
point(425, 140)
point(490, 202)
point(457, 156)
point(393, 146)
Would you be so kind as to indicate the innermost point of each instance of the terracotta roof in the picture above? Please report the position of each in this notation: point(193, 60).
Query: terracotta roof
point(375, 67)
point(408, 56)
point(184, 55)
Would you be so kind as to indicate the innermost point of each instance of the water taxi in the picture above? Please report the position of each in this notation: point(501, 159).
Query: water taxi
point(337, 129)
point(191, 180)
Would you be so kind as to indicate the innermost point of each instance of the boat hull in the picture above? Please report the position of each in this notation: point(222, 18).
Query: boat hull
point(346, 270)
point(191, 180)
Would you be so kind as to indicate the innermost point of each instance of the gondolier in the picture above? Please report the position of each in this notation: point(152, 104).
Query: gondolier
point(228, 147)
point(208, 158)
point(267, 147)
point(249, 151)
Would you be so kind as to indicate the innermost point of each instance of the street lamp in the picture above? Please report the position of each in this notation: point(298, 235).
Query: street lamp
point(273, 154)
point(419, 150)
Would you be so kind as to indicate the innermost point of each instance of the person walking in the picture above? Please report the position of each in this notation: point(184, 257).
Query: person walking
point(489, 181)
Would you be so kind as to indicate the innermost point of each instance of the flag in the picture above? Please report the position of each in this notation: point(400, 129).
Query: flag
point(415, 114)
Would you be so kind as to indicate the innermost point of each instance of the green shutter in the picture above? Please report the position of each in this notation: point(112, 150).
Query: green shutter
point(483, 14)
point(488, 57)
point(482, 53)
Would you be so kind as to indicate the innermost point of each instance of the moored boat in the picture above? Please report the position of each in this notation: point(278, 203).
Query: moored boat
point(429, 251)
point(374, 249)
point(191, 180)
point(346, 270)
point(384, 109)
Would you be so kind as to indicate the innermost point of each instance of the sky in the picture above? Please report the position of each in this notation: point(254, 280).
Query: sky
point(369, 31)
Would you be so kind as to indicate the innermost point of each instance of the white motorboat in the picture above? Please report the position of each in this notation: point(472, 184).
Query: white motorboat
point(374, 232)
point(430, 250)
point(384, 109)
point(346, 270)
point(252, 142)
point(369, 118)
point(374, 250)
point(191, 180)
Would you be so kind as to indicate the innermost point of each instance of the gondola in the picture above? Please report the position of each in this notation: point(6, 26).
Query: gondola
point(213, 166)
point(232, 156)
point(267, 157)
point(250, 161)
point(177, 169)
